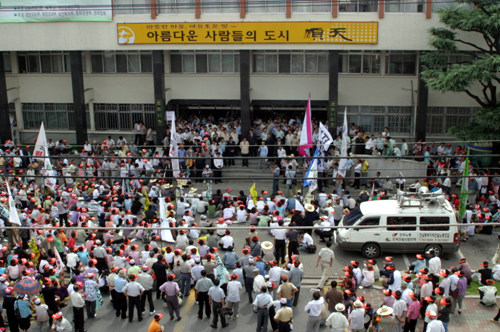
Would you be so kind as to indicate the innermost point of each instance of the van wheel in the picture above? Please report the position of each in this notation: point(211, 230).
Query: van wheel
point(370, 250)
point(437, 250)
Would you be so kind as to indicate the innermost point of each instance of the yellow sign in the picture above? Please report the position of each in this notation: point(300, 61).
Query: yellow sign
point(248, 33)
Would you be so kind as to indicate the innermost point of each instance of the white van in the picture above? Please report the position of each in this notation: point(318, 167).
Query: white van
point(387, 218)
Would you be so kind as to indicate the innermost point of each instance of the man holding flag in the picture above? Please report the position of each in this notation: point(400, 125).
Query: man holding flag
point(306, 141)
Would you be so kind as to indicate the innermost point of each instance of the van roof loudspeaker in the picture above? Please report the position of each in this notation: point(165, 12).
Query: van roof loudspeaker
point(432, 205)
point(423, 190)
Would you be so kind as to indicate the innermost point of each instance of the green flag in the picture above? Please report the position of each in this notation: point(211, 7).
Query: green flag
point(464, 191)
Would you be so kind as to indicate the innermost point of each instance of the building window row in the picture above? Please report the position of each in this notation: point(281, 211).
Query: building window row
point(373, 119)
point(204, 62)
point(59, 116)
point(123, 116)
point(275, 6)
point(441, 119)
point(122, 62)
point(44, 62)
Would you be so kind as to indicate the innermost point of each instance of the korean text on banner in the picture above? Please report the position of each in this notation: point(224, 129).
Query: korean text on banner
point(248, 33)
point(325, 138)
point(26, 11)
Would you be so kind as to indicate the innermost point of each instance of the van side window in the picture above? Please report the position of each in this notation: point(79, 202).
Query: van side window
point(375, 221)
point(432, 221)
point(393, 223)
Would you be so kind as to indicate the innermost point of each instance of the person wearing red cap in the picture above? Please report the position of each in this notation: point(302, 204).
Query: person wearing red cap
point(145, 279)
point(61, 324)
point(133, 291)
point(155, 324)
point(91, 289)
point(487, 293)
point(233, 295)
point(412, 314)
point(78, 304)
point(429, 303)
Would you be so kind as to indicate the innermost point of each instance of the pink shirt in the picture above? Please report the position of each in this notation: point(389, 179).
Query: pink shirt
point(413, 310)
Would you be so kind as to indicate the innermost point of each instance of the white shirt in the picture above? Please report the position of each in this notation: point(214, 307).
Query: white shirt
point(280, 233)
point(326, 255)
point(227, 241)
point(233, 291)
point(397, 281)
point(435, 326)
point(313, 308)
point(489, 294)
point(435, 265)
point(337, 322)
point(307, 239)
point(399, 307)
point(275, 274)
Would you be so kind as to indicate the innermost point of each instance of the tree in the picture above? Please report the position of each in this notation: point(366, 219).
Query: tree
point(476, 30)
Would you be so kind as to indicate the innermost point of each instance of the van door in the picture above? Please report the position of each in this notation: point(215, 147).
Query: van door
point(372, 233)
point(430, 235)
point(398, 237)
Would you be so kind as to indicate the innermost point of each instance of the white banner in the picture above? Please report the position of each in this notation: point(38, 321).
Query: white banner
point(13, 216)
point(325, 139)
point(174, 149)
point(25, 11)
point(40, 145)
point(343, 148)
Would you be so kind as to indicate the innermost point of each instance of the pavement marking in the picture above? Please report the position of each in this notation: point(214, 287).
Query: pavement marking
point(407, 261)
point(185, 312)
point(460, 253)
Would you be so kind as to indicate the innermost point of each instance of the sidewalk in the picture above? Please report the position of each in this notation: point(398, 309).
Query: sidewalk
point(474, 317)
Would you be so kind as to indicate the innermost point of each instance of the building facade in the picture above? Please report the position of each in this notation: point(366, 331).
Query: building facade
point(106, 75)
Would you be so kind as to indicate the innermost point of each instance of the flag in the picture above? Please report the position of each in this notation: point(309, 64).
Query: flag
point(13, 216)
point(174, 149)
point(311, 178)
point(146, 201)
point(306, 141)
point(166, 234)
point(221, 270)
point(34, 248)
point(41, 145)
point(325, 138)
point(50, 174)
point(59, 263)
point(254, 193)
point(343, 148)
point(298, 206)
point(464, 191)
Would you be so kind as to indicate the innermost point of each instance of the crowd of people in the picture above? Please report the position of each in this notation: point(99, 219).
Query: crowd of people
point(74, 246)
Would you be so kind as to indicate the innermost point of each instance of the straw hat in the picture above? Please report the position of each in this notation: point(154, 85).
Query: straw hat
point(267, 245)
point(309, 207)
point(339, 307)
point(385, 311)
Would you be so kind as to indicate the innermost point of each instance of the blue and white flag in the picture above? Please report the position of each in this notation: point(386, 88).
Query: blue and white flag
point(311, 178)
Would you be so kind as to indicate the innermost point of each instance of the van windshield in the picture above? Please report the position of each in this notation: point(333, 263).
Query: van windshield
point(351, 218)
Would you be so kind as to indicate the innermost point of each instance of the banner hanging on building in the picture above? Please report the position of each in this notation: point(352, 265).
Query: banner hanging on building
point(26, 11)
point(248, 33)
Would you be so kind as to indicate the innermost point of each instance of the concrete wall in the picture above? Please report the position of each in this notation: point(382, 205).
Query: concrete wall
point(393, 167)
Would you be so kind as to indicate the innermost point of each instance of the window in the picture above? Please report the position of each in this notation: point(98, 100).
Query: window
point(374, 221)
point(358, 5)
point(122, 62)
point(360, 63)
point(351, 218)
point(54, 115)
point(204, 62)
point(122, 7)
point(220, 6)
point(437, 6)
point(311, 6)
point(394, 223)
point(123, 116)
point(399, 119)
point(401, 63)
point(290, 62)
point(373, 119)
point(6, 62)
point(405, 6)
point(266, 6)
point(44, 62)
point(433, 221)
point(176, 6)
point(441, 119)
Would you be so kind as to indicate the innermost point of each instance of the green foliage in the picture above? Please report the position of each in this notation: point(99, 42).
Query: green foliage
point(476, 31)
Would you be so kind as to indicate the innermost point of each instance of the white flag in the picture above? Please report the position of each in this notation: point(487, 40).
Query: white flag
point(174, 149)
point(311, 177)
point(50, 174)
point(166, 234)
point(13, 216)
point(298, 206)
point(41, 145)
point(325, 139)
point(343, 148)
